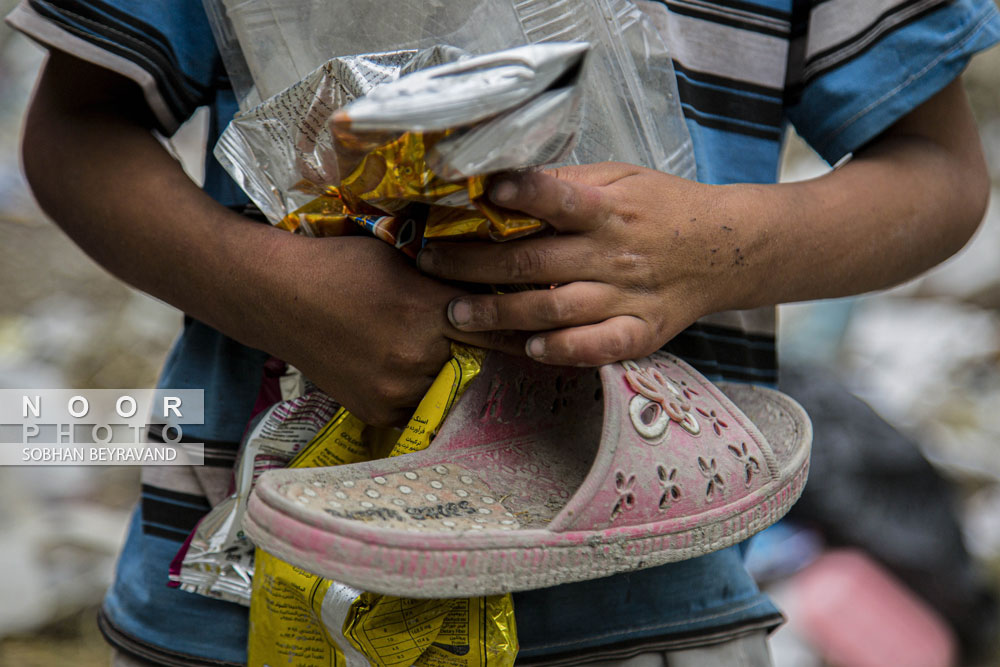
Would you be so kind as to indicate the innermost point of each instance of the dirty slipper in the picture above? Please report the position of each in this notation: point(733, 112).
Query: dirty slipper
point(543, 475)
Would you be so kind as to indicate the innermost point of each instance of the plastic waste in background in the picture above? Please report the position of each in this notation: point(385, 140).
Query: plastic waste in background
point(856, 614)
point(782, 550)
point(870, 487)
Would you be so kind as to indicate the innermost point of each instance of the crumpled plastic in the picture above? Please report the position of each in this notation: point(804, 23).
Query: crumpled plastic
point(364, 138)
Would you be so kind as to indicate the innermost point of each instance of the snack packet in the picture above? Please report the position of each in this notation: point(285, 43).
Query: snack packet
point(217, 560)
point(336, 148)
point(632, 110)
point(299, 618)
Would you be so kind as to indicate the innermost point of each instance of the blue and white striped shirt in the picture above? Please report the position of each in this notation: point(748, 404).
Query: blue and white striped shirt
point(839, 71)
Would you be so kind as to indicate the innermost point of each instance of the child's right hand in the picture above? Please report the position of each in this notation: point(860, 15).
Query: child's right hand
point(360, 321)
point(351, 313)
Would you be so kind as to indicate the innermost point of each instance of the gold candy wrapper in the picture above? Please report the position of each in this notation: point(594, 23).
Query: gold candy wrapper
point(323, 216)
point(433, 633)
point(485, 223)
point(298, 618)
point(388, 182)
point(290, 624)
point(396, 173)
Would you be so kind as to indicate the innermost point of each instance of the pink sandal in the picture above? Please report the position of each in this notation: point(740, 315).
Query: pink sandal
point(530, 483)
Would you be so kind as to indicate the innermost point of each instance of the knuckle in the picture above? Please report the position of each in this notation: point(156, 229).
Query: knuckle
point(485, 312)
point(617, 346)
point(404, 357)
point(554, 310)
point(396, 393)
point(626, 263)
point(569, 198)
point(633, 270)
point(523, 263)
point(384, 393)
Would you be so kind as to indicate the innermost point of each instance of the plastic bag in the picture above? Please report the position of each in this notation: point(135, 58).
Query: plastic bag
point(632, 110)
point(391, 129)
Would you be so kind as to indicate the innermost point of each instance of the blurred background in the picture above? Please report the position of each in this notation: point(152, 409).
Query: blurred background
point(894, 550)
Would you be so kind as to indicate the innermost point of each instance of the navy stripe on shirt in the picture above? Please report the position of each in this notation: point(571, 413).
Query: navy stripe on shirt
point(737, 15)
point(171, 514)
point(891, 20)
point(133, 40)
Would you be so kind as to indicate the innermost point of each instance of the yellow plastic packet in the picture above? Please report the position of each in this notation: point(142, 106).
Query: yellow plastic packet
point(300, 619)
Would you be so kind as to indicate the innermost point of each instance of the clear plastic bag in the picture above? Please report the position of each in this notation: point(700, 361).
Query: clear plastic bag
point(631, 108)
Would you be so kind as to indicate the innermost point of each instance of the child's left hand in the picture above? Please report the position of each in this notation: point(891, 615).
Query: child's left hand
point(638, 256)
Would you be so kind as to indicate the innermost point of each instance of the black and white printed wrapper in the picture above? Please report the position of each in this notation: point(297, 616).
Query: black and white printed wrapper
point(217, 560)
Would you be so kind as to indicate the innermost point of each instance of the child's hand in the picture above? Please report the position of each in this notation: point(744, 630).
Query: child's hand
point(358, 320)
point(639, 256)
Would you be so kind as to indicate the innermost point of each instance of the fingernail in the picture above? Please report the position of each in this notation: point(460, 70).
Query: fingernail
point(535, 347)
point(459, 312)
point(425, 260)
point(503, 191)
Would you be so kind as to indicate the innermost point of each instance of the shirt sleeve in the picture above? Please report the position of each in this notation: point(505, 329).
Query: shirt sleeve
point(861, 65)
point(165, 47)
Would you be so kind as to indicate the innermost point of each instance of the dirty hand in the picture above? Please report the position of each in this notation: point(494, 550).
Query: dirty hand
point(359, 321)
point(638, 256)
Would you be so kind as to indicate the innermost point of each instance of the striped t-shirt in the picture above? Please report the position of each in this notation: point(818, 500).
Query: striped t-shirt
point(840, 71)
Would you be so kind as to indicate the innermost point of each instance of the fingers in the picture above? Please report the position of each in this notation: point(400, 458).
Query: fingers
point(537, 310)
point(508, 342)
point(568, 205)
point(615, 339)
point(598, 174)
point(547, 260)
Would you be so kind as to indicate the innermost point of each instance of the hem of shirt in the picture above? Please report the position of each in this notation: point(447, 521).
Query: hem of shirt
point(26, 20)
point(632, 648)
point(136, 648)
point(919, 87)
point(705, 629)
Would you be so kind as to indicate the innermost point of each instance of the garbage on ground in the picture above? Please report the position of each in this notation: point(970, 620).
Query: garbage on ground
point(855, 613)
point(58, 541)
point(871, 488)
point(782, 550)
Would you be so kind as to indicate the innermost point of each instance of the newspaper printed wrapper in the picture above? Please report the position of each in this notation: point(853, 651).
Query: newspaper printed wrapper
point(297, 617)
point(337, 150)
point(217, 560)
